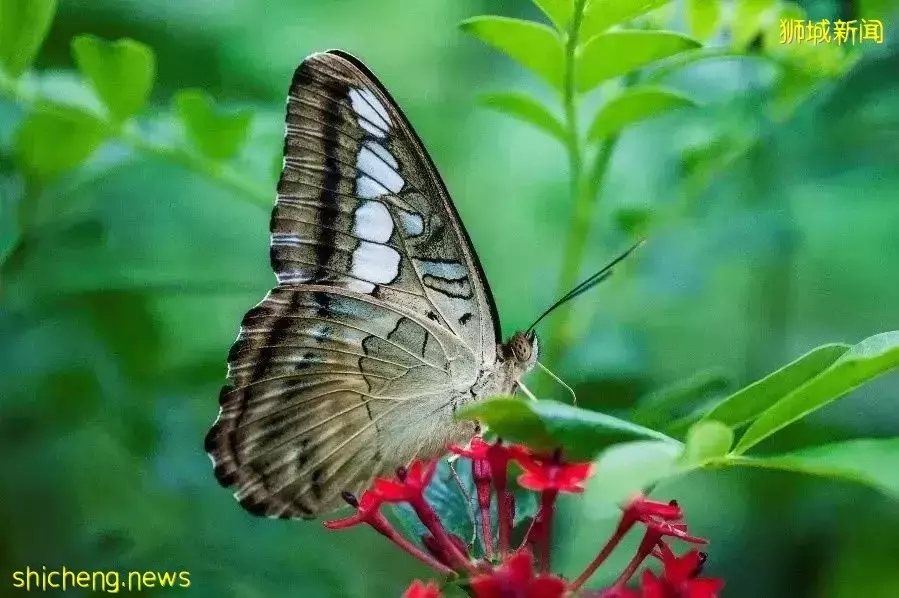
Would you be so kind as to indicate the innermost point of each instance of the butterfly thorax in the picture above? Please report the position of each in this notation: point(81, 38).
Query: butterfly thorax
point(515, 358)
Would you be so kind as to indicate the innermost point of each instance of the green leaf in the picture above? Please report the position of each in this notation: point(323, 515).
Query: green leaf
point(121, 72)
point(217, 135)
point(869, 461)
point(703, 17)
point(747, 403)
point(558, 11)
point(599, 15)
point(23, 27)
point(523, 107)
point(683, 396)
point(750, 18)
point(706, 441)
point(633, 220)
point(54, 139)
point(627, 468)
point(863, 362)
point(534, 46)
point(546, 425)
point(617, 53)
point(633, 105)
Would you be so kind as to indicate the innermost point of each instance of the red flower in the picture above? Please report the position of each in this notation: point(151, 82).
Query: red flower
point(549, 474)
point(680, 577)
point(422, 590)
point(368, 511)
point(516, 578)
point(664, 519)
point(409, 485)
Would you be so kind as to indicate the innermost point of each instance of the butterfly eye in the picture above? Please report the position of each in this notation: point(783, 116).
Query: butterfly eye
point(521, 346)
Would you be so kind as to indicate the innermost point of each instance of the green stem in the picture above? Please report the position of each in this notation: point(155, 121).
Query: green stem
point(574, 148)
point(585, 187)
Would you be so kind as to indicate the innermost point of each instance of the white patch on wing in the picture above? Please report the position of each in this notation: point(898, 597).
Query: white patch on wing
point(368, 188)
point(372, 222)
point(286, 239)
point(375, 263)
point(413, 225)
point(376, 103)
point(370, 128)
point(444, 270)
point(369, 163)
point(294, 276)
point(383, 153)
point(372, 116)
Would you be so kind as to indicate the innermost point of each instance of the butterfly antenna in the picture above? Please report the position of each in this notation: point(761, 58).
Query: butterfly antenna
point(587, 284)
point(560, 381)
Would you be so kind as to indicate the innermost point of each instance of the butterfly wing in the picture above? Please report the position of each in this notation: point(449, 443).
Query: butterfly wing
point(382, 319)
point(361, 205)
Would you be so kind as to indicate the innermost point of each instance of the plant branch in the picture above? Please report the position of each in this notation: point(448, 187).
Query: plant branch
point(245, 188)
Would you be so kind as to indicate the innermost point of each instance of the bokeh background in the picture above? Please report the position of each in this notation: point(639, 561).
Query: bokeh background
point(118, 308)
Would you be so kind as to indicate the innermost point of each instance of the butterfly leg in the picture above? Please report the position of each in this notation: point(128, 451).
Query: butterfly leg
point(526, 392)
point(469, 499)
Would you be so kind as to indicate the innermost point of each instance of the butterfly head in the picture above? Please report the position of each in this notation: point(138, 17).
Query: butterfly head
point(523, 348)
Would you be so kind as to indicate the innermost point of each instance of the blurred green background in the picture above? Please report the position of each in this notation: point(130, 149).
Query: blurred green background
point(119, 304)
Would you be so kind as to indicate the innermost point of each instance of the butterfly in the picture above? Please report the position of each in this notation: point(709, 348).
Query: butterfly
point(382, 324)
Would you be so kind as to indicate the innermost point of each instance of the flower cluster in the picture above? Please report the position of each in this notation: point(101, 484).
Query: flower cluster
point(525, 570)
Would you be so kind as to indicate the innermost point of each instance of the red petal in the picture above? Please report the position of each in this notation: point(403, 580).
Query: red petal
point(680, 569)
point(486, 586)
point(705, 588)
point(546, 586)
point(425, 472)
point(536, 481)
point(369, 501)
point(576, 472)
point(651, 587)
point(520, 568)
point(646, 507)
point(344, 523)
point(388, 490)
point(422, 590)
point(415, 471)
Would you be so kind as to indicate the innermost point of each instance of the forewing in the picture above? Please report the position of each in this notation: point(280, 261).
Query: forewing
point(328, 390)
point(361, 206)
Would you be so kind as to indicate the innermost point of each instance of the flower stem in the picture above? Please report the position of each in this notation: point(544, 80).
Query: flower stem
point(385, 529)
point(649, 542)
point(430, 520)
point(610, 546)
point(500, 482)
point(547, 504)
point(482, 474)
